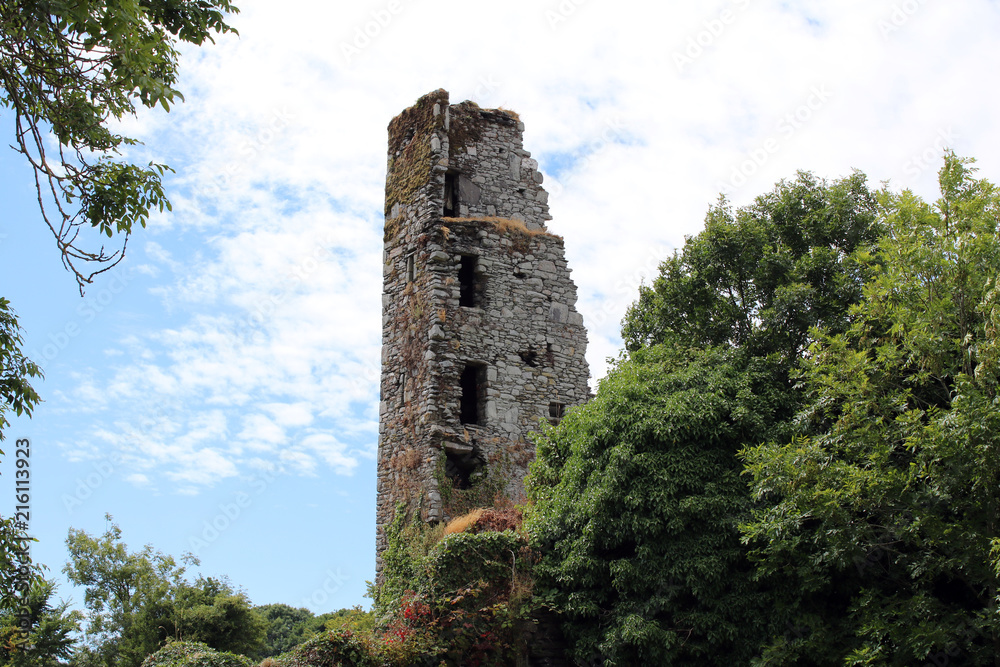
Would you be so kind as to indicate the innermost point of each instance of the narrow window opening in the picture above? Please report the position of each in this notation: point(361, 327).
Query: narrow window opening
point(556, 413)
point(450, 194)
point(411, 268)
point(529, 357)
point(402, 390)
point(473, 386)
point(467, 281)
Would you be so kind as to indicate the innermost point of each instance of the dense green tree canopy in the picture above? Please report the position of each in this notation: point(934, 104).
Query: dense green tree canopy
point(880, 517)
point(637, 498)
point(287, 627)
point(638, 495)
point(759, 278)
point(210, 611)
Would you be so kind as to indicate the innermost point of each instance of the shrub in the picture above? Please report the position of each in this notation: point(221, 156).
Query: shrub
point(194, 654)
point(337, 648)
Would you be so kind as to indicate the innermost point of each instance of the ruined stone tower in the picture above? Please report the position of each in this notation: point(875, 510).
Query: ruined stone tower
point(480, 337)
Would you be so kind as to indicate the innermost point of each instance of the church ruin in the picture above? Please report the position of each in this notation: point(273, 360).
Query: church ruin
point(480, 336)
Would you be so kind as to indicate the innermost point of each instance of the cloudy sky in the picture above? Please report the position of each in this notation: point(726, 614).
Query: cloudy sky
point(217, 392)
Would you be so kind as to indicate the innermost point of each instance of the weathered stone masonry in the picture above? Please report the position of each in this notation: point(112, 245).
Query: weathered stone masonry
point(480, 336)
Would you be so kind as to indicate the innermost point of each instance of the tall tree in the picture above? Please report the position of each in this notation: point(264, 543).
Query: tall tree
point(126, 594)
point(638, 495)
point(881, 516)
point(759, 278)
point(211, 611)
point(287, 627)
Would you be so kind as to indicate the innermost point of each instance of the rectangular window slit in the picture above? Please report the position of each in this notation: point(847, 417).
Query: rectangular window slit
point(411, 270)
point(556, 413)
point(473, 394)
point(467, 281)
point(450, 194)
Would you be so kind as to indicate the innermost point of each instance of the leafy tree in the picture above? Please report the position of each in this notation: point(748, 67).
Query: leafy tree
point(49, 639)
point(758, 279)
point(637, 498)
point(68, 70)
point(881, 516)
point(212, 612)
point(286, 627)
point(16, 370)
point(355, 619)
point(138, 600)
point(638, 495)
point(127, 595)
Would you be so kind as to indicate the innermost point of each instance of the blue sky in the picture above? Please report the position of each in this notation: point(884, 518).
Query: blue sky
point(217, 392)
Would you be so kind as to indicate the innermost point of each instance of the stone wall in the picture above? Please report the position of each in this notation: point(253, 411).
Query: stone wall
point(481, 338)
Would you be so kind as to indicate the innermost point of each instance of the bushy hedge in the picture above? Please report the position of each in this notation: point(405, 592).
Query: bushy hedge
point(337, 648)
point(194, 654)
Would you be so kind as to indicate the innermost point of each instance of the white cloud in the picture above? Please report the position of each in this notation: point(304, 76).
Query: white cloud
point(267, 275)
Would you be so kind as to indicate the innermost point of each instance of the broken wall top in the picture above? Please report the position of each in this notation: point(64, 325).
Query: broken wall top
point(460, 161)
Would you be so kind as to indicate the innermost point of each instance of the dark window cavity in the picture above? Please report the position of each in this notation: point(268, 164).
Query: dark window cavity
point(556, 413)
point(450, 195)
point(461, 466)
point(473, 392)
point(467, 281)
